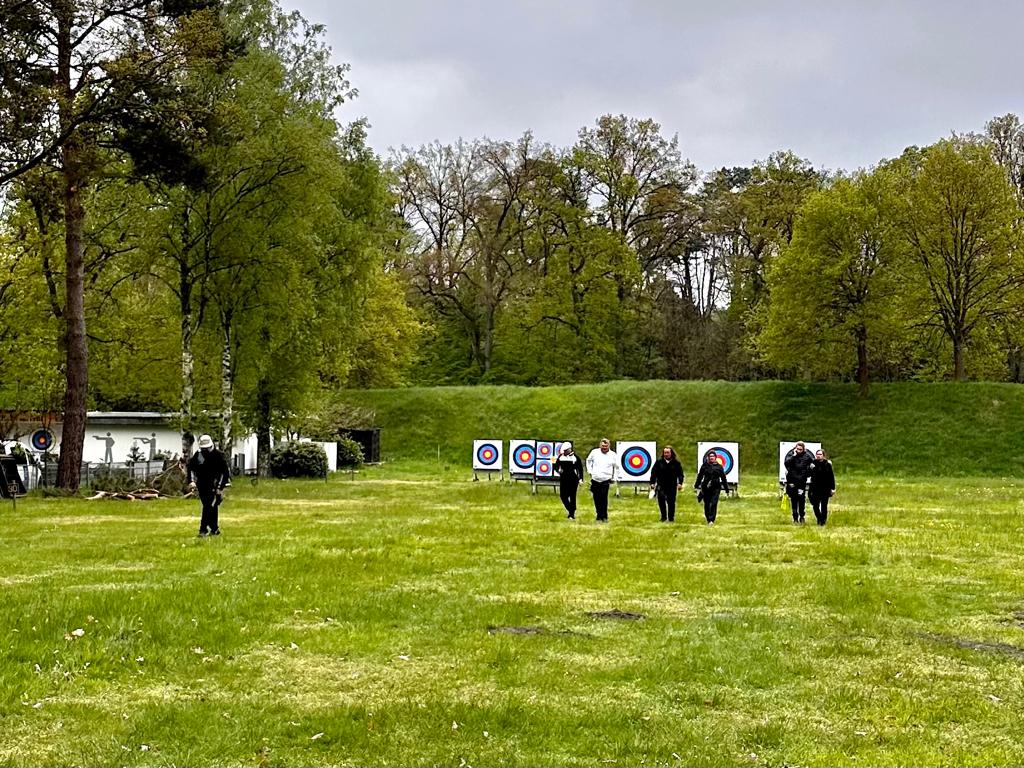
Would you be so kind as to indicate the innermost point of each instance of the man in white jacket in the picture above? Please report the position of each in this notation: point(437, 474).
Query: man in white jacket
point(603, 466)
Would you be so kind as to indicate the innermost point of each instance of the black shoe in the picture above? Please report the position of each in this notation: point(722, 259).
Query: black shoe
point(202, 534)
point(215, 533)
point(664, 519)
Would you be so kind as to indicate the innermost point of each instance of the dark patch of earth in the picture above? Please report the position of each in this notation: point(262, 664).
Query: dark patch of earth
point(978, 645)
point(533, 631)
point(615, 613)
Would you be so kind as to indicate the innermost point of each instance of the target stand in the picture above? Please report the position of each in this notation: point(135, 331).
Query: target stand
point(636, 460)
point(728, 454)
point(522, 456)
point(487, 459)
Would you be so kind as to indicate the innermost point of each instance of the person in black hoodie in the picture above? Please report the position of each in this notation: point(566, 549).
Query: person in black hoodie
point(666, 481)
point(710, 483)
point(823, 486)
point(570, 474)
point(798, 472)
point(208, 475)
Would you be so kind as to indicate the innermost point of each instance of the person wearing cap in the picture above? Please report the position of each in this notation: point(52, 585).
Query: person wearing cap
point(570, 474)
point(603, 466)
point(667, 480)
point(208, 475)
point(710, 483)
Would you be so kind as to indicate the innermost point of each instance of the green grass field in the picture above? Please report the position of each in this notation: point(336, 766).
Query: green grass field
point(412, 617)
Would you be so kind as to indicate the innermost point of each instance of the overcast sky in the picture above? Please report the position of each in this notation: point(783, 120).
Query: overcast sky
point(843, 83)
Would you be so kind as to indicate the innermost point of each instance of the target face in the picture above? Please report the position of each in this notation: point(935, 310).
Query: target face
point(636, 460)
point(523, 456)
point(545, 468)
point(486, 454)
point(545, 450)
point(42, 440)
point(728, 455)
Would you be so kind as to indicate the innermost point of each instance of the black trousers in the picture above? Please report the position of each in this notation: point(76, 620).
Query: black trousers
point(567, 491)
point(210, 501)
point(820, 506)
point(667, 504)
point(600, 493)
point(798, 502)
point(711, 504)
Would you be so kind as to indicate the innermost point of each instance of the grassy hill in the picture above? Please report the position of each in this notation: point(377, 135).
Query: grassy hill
point(901, 429)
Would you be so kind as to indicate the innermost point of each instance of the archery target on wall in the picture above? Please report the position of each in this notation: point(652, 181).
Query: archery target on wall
point(785, 447)
point(545, 450)
point(42, 440)
point(728, 457)
point(522, 455)
point(487, 455)
point(636, 460)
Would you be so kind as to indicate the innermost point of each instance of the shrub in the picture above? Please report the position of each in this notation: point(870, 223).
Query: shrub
point(298, 460)
point(350, 453)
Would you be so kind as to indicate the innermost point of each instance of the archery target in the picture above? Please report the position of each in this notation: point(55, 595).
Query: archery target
point(522, 455)
point(728, 457)
point(487, 454)
point(636, 460)
point(42, 440)
point(786, 447)
point(544, 468)
point(545, 450)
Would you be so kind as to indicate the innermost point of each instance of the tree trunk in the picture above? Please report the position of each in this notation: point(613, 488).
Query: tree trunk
point(69, 468)
point(263, 431)
point(188, 373)
point(227, 391)
point(959, 371)
point(862, 361)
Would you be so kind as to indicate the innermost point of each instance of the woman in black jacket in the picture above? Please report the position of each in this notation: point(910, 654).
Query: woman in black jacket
point(823, 486)
point(667, 480)
point(711, 481)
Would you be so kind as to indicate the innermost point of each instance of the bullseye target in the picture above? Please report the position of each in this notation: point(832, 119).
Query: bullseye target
point(636, 461)
point(487, 454)
point(545, 450)
point(522, 456)
point(544, 468)
point(42, 440)
point(727, 455)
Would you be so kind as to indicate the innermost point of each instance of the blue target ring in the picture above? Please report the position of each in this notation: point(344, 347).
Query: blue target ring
point(636, 461)
point(524, 457)
point(724, 458)
point(42, 440)
point(487, 454)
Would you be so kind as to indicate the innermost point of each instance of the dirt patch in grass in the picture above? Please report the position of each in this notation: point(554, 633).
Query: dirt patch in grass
point(1006, 649)
point(616, 614)
point(492, 630)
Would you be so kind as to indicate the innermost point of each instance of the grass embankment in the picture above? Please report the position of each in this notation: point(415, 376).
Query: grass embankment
point(942, 429)
point(420, 619)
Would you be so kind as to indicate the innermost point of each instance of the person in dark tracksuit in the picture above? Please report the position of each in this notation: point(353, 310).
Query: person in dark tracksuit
point(667, 480)
point(798, 472)
point(208, 475)
point(823, 486)
point(569, 467)
point(710, 483)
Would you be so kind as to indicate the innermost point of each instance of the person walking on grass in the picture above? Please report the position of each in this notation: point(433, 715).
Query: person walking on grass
point(798, 472)
point(666, 481)
point(208, 476)
point(570, 475)
point(710, 483)
point(822, 487)
point(603, 466)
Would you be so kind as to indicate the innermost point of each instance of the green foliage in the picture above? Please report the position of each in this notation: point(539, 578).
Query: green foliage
point(928, 429)
point(350, 453)
point(294, 459)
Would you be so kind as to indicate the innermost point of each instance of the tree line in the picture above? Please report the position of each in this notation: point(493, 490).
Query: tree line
point(188, 226)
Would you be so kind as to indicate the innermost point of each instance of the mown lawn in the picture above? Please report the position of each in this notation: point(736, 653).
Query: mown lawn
point(411, 617)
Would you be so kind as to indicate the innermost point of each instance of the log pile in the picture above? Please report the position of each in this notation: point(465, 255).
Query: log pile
point(139, 494)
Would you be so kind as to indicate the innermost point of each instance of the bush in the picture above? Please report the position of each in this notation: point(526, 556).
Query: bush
point(350, 453)
point(298, 460)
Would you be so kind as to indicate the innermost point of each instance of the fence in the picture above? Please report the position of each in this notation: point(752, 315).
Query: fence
point(45, 475)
